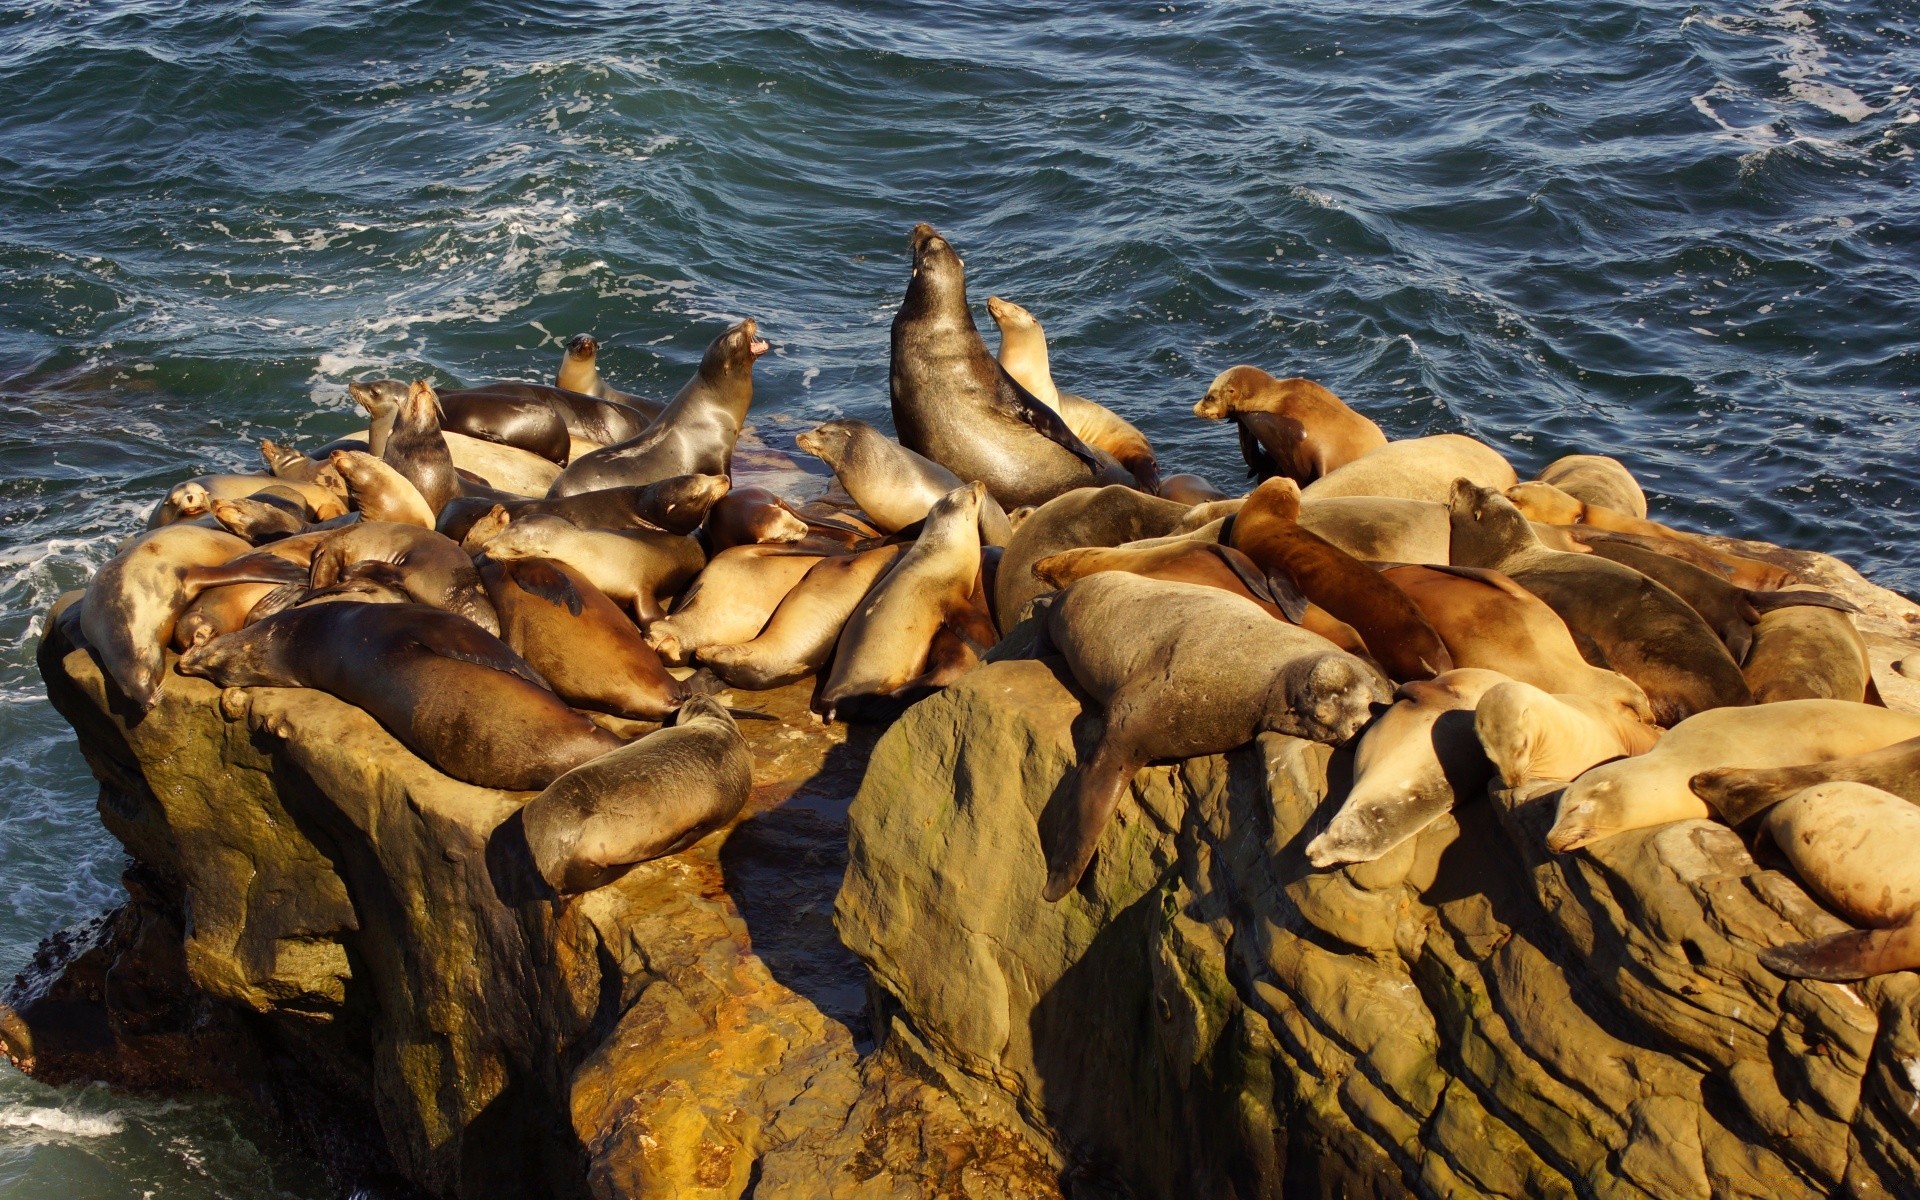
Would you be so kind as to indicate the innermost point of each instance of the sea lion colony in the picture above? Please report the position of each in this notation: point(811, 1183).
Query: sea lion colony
point(485, 570)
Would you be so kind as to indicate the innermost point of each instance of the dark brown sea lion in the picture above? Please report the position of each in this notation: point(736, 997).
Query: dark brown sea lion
point(135, 598)
point(893, 486)
point(633, 566)
point(676, 505)
point(450, 691)
point(1599, 480)
point(580, 374)
point(1852, 845)
point(1268, 531)
point(528, 423)
point(261, 517)
point(751, 516)
point(1291, 427)
point(1107, 516)
point(437, 571)
point(652, 797)
point(953, 403)
point(798, 639)
point(1636, 626)
point(1739, 793)
point(579, 641)
point(1181, 671)
point(416, 448)
point(694, 435)
point(1188, 488)
point(590, 421)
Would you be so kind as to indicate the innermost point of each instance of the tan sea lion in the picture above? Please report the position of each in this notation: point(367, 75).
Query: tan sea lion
point(1023, 353)
point(1597, 479)
point(957, 406)
point(1416, 469)
point(1528, 733)
point(652, 797)
point(286, 463)
point(730, 600)
point(578, 640)
point(1852, 845)
point(1652, 788)
point(450, 691)
point(194, 497)
point(752, 516)
point(1489, 621)
point(380, 492)
point(1397, 636)
point(798, 639)
point(1805, 652)
point(1750, 573)
point(1381, 528)
point(1183, 670)
point(1188, 488)
point(507, 468)
point(693, 435)
point(1638, 627)
point(1291, 427)
point(1412, 763)
point(633, 566)
point(1740, 793)
point(1108, 516)
point(436, 571)
point(135, 598)
point(261, 517)
point(580, 373)
point(892, 485)
point(883, 649)
point(217, 611)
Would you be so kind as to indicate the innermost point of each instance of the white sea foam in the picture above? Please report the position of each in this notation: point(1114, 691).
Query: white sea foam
point(58, 1123)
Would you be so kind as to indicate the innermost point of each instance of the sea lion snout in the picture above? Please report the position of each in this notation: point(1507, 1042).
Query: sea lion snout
point(582, 345)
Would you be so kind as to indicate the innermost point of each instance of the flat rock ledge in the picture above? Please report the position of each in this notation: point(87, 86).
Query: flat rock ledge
point(322, 922)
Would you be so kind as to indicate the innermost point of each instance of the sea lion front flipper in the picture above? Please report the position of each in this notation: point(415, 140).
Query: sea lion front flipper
point(467, 642)
point(1102, 780)
point(1287, 594)
point(1260, 464)
point(1253, 577)
point(539, 577)
point(1020, 404)
point(1768, 601)
point(1589, 649)
point(1844, 957)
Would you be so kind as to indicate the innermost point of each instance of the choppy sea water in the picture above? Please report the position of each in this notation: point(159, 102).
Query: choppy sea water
point(1685, 235)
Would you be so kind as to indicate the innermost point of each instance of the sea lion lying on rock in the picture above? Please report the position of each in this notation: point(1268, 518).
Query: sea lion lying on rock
point(1853, 847)
point(1739, 793)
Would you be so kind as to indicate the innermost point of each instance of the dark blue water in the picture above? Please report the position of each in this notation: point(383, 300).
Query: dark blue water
point(1686, 235)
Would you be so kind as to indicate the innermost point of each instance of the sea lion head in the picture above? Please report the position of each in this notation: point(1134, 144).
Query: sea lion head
point(684, 500)
point(1329, 698)
point(530, 536)
point(1010, 316)
point(378, 396)
point(1229, 389)
point(421, 406)
point(939, 275)
point(828, 442)
point(583, 347)
point(1486, 527)
point(1578, 819)
point(732, 354)
point(1276, 499)
point(481, 534)
point(189, 499)
point(1546, 504)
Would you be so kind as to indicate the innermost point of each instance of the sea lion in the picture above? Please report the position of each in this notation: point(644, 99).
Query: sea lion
point(1637, 626)
point(1183, 670)
point(1291, 427)
point(1852, 845)
point(436, 571)
point(416, 448)
point(751, 516)
point(1529, 733)
point(261, 517)
point(1023, 354)
point(194, 497)
point(892, 485)
point(284, 462)
point(1740, 793)
point(1107, 516)
point(1751, 573)
point(219, 610)
point(1597, 479)
point(953, 403)
point(591, 422)
point(675, 505)
point(1381, 528)
point(1651, 788)
point(1421, 468)
point(580, 374)
point(380, 492)
point(1188, 488)
point(525, 422)
point(798, 639)
point(652, 797)
point(693, 435)
point(1806, 652)
point(579, 641)
point(633, 566)
point(884, 647)
point(450, 691)
point(730, 600)
point(135, 598)
point(1489, 621)
point(1308, 566)
point(1412, 763)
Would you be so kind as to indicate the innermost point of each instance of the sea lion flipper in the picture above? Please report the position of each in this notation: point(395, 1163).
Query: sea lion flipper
point(1251, 575)
point(1103, 779)
point(455, 641)
point(1287, 595)
point(1260, 464)
point(1020, 404)
point(1850, 955)
point(1767, 601)
point(539, 577)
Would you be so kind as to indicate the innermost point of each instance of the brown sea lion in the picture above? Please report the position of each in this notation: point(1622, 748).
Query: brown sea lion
point(450, 691)
point(1635, 625)
point(580, 373)
point(1530, 734)
point(655, 796)
point(507, 468)
point(436, 571)
point(1398, 637)
point(379, 491)
point(1291, 427)
point(1852, 845)
point(1652, 788)
point(579, 641)
point(883, 649)
point(261, 517)
point(416, 448)
point(694, 435)
point(798, 639)
point(1805, 652)
point(957, 406)
point(750, 516)
point(633, 566)
point(675, 505)
point(730, 600)
point(1188, 488)
point(1599, 480)
point(1411, 764)
point(1750, 573)
point(525, 422)
point(1741, 793)
point(1381, 528)
point(893, 486)
point(1183, 670)
point(283, 462)
point(1107, 516)
point(136, 597)
point(1491, 622)
point(591, 421)
point(1421, 468)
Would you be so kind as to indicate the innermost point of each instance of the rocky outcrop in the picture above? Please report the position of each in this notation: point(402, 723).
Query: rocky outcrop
point(1468, 1016)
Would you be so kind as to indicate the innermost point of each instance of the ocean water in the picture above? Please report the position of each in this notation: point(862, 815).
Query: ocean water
point(1684, 234)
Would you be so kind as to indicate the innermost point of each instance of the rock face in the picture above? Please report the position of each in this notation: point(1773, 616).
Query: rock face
point(1468, 1016)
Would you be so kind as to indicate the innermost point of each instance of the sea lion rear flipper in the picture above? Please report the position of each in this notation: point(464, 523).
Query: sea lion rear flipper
point(1102, 780)
point(539, 577)
point(1853, 954)
point(1768, 601)
point(1589, 649)
point(1020, 404)
point(1873, 693)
